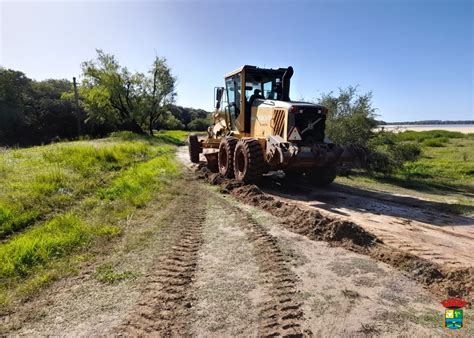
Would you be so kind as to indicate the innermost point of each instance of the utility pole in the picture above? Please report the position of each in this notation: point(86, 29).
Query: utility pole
point(76, 95)
point(76, 104)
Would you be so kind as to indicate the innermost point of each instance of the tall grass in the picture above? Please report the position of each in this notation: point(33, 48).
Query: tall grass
point(56, 200)
point(41, 180)
point(137, 184)
point(54, 239)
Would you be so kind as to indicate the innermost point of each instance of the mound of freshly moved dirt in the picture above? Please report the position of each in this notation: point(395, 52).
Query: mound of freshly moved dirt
point(447, 281)
point(306, 222)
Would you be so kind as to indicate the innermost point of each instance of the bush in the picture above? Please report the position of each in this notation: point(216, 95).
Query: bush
point(388, 154)
point(403, 152)
point(436, 142)
point(170, 122)
point(380, 162)
point(351, 117)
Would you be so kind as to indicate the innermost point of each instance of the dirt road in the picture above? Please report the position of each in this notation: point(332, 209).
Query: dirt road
point(406, 223)
point(216, 267)
point(210, 265)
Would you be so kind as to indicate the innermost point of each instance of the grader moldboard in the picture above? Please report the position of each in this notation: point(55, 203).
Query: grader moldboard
point(257, 128)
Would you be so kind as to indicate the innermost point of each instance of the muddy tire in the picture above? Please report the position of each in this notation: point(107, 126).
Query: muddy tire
point(194, 148)
point(321, 176)
point(225, 157)
point(249, 162)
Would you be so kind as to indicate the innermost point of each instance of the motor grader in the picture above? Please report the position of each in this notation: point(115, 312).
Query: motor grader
point(257, 128)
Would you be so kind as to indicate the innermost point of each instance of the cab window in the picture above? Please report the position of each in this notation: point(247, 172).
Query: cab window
point(232, 85)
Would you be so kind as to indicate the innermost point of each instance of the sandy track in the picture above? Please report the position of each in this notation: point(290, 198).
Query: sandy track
point(402, 222)
point(164, 308)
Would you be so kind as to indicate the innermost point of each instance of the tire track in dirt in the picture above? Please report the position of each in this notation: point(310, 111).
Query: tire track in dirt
point(166, 304)
point(281, 314)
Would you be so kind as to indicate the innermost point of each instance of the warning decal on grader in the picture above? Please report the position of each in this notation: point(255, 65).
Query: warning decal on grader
point(294, 135)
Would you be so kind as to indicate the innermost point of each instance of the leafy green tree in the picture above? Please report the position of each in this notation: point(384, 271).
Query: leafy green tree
point(133, 101)
point(15, 88)
point(48, 114)
point(159, 94)
point(351, 117)
point(169, 122)
point(199, 124)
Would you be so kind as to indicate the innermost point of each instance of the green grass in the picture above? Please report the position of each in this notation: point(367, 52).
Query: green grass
point(53, 239)
point(56, 201)
point(443, 173)
point(420, 136)
point(449, 165)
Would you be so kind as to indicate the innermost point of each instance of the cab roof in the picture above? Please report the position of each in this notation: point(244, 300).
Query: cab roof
point(249, 67)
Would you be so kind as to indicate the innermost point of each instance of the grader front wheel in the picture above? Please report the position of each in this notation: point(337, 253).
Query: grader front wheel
point(249, 162)
point(194, 148)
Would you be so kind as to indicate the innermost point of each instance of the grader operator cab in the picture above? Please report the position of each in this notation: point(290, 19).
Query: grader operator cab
point(257, 128)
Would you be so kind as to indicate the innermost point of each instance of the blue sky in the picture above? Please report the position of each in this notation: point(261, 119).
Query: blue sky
point(416, 56)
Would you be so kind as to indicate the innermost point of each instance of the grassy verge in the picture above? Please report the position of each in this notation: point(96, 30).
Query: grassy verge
point(443, 173)
point(59, 200)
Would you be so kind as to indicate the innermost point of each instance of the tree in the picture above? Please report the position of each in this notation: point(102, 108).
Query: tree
point(15, 88)
point(159, 92)
point(199, 124)
point(351, 117)
point(133, 101)
point(48, 115)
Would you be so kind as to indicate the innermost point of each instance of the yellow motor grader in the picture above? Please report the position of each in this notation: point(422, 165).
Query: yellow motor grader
point(257, 128)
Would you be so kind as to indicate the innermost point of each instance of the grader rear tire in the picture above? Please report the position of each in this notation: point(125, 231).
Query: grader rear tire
point(249, 162)
point(194, 148)
point(225, 157)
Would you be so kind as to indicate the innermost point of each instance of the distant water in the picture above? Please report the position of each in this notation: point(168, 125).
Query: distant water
point(463, 128)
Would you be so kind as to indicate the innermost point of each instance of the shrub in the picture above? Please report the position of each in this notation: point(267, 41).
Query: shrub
point(170, 122)
point(351, 117)
point(403, 152)
point(388, 154)
point(380, 162)
point(436, 142)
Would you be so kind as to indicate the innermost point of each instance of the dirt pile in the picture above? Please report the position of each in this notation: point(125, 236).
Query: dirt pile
point(306, 222)
point(311, 223)
point(447, 281)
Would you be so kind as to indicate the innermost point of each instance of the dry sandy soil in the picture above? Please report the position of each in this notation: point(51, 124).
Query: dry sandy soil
point(249, 263)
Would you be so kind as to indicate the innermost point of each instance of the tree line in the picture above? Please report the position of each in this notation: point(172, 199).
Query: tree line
point(110, 98)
